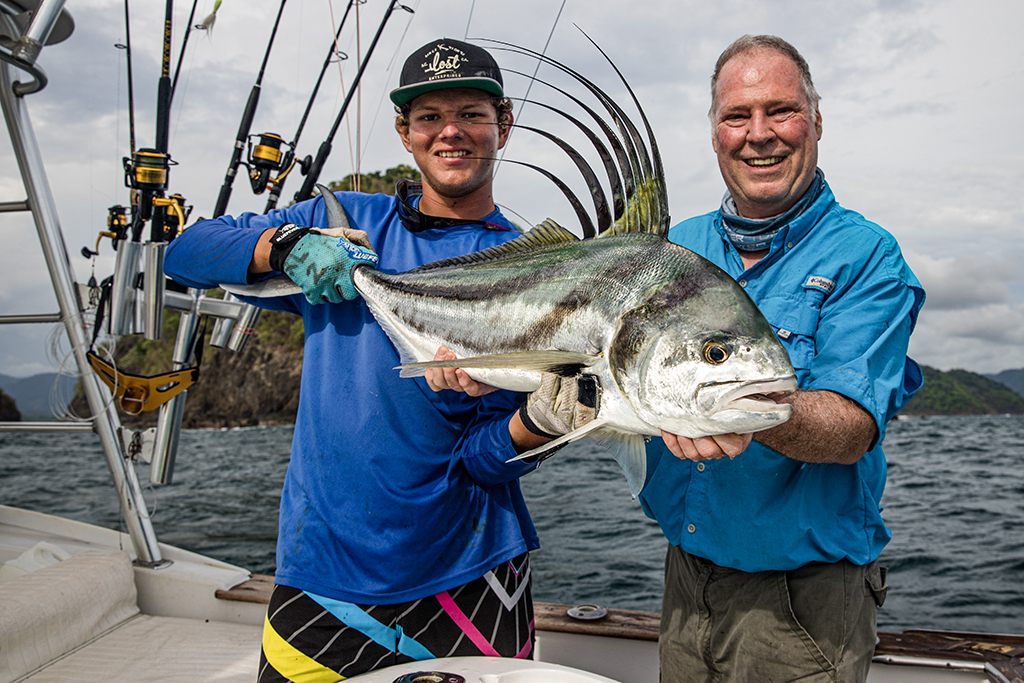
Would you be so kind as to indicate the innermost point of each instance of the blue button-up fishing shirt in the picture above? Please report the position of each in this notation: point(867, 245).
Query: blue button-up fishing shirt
point(836, 290)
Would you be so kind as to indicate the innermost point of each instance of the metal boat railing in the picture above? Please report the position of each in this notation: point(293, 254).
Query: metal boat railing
point(120, 445)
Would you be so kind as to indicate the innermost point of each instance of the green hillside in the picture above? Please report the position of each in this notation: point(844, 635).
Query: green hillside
point(959, 392)
point(1011, 378)
point(8, 409)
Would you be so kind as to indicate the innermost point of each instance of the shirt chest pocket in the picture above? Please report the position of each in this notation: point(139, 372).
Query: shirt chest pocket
point(795, 321)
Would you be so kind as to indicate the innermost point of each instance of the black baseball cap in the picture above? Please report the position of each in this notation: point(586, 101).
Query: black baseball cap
point(447, 63)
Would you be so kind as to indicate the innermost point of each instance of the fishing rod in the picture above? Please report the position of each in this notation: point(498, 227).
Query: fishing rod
point(155, 162)
point(278, 183)
point(131, 95)
point(245, 125)
point(184, 42)
point(325, 147)
point(163, 96)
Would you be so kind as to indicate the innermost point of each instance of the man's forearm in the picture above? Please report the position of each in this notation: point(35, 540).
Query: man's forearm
point(261, 254)
point(826, 427)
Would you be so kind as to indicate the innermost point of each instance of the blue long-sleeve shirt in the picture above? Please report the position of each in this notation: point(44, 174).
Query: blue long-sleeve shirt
point(394, 492)
point(843, 302)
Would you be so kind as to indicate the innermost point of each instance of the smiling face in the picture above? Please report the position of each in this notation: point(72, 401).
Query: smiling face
point(447, 128)
point(765, 132)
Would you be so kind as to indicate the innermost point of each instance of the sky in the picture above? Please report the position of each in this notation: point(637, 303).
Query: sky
point(921, 107)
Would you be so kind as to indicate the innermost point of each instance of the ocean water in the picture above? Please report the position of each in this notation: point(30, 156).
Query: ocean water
point(954, 501)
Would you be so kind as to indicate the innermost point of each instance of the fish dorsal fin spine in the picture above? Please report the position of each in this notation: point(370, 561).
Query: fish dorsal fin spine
point(638, 216)
point(546, 234)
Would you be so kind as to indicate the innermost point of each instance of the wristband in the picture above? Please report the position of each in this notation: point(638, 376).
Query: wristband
point(281, 243)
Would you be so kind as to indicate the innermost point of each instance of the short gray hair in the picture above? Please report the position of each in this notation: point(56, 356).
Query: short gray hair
point(749, 43)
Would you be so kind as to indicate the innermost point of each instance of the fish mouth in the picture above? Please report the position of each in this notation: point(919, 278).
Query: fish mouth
point(753, 396)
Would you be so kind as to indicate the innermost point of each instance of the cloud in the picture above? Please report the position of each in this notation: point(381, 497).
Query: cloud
point(909, 92)
point(954, 284)
point(985, 339)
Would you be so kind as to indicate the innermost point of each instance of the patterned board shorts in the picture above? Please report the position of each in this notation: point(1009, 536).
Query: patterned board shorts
point(314, 639)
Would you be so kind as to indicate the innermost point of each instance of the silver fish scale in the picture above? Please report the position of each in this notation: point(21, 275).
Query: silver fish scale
point(566, 297)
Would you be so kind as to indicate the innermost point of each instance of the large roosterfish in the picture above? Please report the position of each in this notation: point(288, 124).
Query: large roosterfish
point(673, 341)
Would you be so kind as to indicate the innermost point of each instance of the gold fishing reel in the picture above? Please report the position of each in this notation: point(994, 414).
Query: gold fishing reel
point(266, 157)
point(117, 228)
point(136, 393)
point(147, 170)
point(176, 216)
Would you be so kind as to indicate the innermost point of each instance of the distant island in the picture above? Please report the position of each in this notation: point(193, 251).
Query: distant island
point(8, 409)
point(959, 392)
point(260, 386)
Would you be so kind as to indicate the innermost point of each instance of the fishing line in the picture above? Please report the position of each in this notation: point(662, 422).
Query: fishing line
point(245, 124)
point(387, 72)
point(529, 85)
point(469, 19)
point(325, 147)
point(333, 52)
point(184, 42)
point(507, 209)
point(348, 122)
point(188, 75)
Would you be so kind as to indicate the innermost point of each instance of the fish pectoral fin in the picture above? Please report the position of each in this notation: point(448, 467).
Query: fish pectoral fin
point(630, 452)
point(564, 363)
point(544, 452)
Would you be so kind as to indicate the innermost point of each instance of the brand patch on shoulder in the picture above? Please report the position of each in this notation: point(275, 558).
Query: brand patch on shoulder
point(822, 283)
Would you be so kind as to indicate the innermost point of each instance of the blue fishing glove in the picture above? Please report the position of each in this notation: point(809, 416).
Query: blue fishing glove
point(321, 261)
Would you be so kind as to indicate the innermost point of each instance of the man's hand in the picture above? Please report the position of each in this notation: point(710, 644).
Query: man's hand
point(455, 379)
point(706, 447)
point(561, 404)
point(321, 261)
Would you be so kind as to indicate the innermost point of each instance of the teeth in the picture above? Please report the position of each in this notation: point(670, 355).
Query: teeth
point(764, 162)
point(450, 155)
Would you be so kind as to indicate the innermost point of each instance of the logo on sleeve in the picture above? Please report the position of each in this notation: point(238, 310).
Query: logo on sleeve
point(822, 283)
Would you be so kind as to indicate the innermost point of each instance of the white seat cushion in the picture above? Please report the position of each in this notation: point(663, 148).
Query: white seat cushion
point(164, 649)
point(58, 608)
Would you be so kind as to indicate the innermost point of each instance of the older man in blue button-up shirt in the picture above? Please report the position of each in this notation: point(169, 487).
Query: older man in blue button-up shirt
point(772, 569)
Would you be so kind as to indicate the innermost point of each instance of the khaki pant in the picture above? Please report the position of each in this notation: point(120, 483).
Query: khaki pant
point(812, 624)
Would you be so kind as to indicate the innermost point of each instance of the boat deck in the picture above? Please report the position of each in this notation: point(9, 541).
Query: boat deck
point(943, 649)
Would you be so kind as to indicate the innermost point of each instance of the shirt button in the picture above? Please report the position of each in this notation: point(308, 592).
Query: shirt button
point(789, 245)
point(700, 467)
point(691, 528)
point(743, 283)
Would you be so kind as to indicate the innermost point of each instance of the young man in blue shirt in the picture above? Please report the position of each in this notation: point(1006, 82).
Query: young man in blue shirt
point(403, 531)
point(772, 569)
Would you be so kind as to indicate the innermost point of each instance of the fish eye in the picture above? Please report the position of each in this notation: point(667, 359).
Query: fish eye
point(715, 352)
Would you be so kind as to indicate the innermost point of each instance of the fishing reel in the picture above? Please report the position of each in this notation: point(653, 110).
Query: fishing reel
point(147, 170)
point(265, 158)
point(177, 215)
point(146, 173)
point(117, 229)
